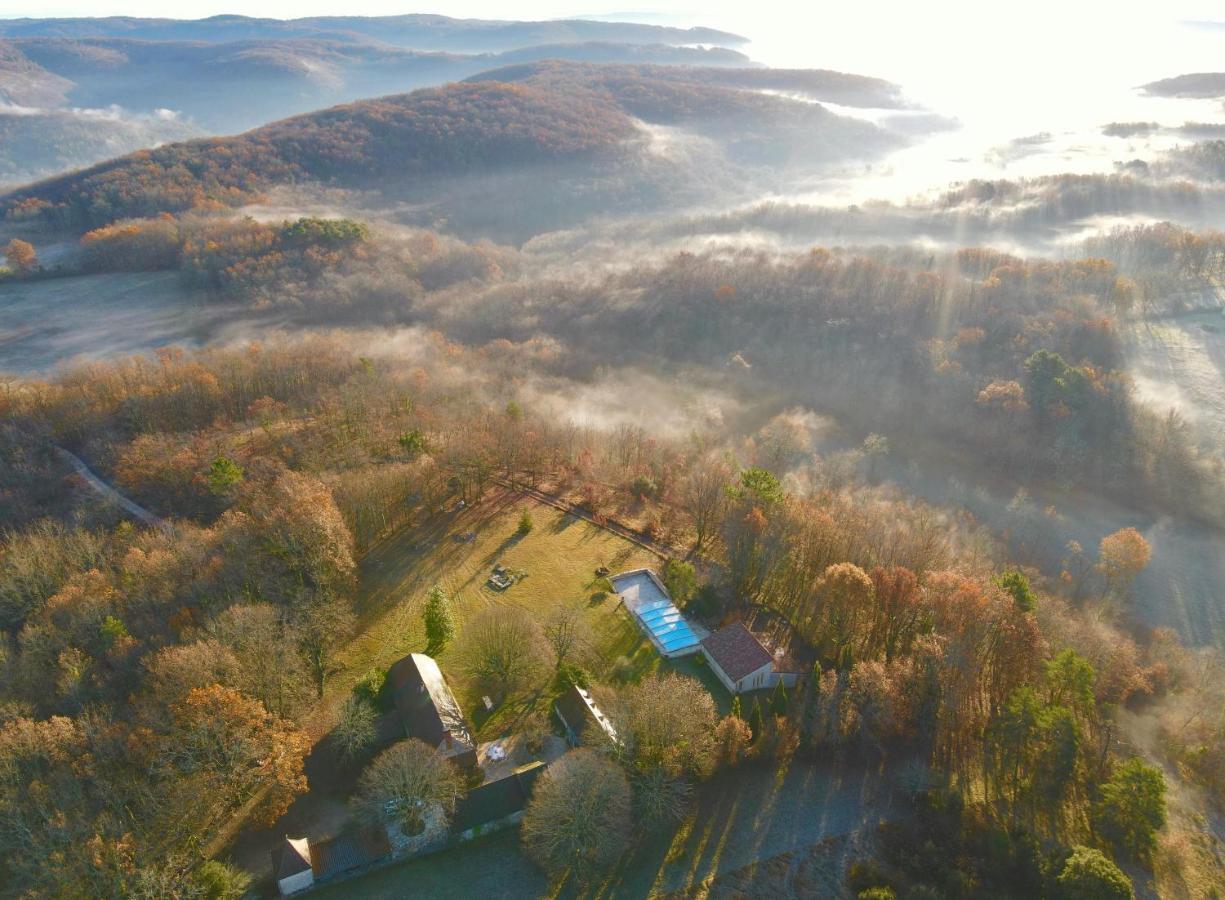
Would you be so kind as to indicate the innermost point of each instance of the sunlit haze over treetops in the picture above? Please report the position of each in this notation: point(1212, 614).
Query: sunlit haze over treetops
point(754, 451)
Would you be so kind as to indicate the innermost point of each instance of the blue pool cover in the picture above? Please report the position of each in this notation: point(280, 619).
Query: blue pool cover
point(656, 612)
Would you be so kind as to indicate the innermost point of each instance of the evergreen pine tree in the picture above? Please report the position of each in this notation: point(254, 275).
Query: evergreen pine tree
point(439, 624)
point(778, 702)
point(757, 722)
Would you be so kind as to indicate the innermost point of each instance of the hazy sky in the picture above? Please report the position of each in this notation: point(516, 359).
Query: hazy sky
point(1006, 69)
point(809, 14)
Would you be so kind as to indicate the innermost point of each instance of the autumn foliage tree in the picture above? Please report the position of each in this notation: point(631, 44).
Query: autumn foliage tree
point(21, 258)
point(223, 749)
point(1123, 556)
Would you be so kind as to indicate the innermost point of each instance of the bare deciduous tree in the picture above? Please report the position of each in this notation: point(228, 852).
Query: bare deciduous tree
point(704, 494)
point(578, 820)
point(567, 633)
point(502, 648)
point(404, 783)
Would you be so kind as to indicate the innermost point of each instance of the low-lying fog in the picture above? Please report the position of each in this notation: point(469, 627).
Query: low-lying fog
point(1030, 88)
point(1038, 95)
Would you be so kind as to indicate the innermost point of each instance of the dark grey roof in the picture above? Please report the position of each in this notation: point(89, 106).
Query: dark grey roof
point(290, 857)
point(425, 702)
point(348, 851)
point(581, 715)
point(736, 650)
point(496, 800)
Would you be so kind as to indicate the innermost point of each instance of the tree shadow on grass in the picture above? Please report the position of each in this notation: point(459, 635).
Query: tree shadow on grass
point(510, 541)
point(508, 716)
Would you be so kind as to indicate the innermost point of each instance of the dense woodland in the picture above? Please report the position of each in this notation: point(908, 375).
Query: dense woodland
point(1017, 359)
point(142, 668)
point(547, 115)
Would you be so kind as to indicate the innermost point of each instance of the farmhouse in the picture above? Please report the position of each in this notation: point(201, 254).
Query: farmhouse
point(429, 710)
point(582, 720)
point(741, 661)
point(298, 864)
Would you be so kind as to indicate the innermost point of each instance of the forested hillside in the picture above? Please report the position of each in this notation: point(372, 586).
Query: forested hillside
point(230, 87)
point(560, 113)
point(430, 32)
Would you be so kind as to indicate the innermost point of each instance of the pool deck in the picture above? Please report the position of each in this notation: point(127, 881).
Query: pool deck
point(648, 601)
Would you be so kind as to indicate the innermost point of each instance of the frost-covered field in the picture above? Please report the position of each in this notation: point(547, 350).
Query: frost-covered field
point(47, 323)
point(1179, 363)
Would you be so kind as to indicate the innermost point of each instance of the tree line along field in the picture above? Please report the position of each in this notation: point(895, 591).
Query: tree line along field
point(559, 556)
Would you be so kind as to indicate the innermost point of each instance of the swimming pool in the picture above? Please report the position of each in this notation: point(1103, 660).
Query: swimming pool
point(647, 600)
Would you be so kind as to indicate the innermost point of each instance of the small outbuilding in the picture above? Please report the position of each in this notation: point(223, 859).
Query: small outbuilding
point(741, 661)
point(582, 720)
point(291, 866)
point(349, 852)
point(428, 709)
point(495, 804)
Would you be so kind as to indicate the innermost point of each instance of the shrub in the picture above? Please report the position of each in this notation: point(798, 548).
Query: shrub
point(1089, 875)
point(370, 687)
point(525, 523)
point(570, 674)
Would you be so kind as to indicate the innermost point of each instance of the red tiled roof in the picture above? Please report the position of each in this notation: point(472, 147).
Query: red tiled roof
point(736, 651)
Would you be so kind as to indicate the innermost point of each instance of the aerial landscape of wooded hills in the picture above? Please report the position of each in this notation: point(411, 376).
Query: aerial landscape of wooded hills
point(460, 458)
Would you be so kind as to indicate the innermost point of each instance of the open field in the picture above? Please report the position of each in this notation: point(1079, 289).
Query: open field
point(559, 558)
point(46, 323)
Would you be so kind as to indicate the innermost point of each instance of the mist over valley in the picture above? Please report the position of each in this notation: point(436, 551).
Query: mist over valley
point(416, 339)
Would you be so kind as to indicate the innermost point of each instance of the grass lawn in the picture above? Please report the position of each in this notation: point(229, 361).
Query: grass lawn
point(559, 556)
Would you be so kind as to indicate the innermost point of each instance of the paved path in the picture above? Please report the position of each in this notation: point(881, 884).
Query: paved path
point(135, 510)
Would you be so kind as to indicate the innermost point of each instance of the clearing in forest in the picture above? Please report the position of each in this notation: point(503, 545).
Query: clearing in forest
point(554, 565)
